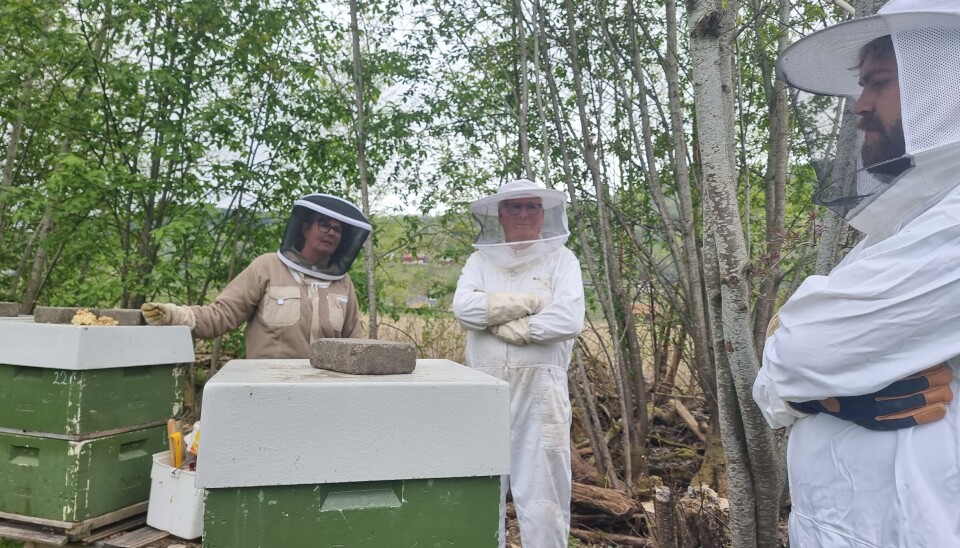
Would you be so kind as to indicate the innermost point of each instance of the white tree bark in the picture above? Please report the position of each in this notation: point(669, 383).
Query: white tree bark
point(523, 93)
point(692, 264)
point(10, 161)
point(370, 259)
point(775, 184)
point(611, 266)
point(835, 228)
point(748, 441)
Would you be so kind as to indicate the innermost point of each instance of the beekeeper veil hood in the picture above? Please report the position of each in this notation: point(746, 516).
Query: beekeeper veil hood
point(520, 223)
point(892, 178)
point(308, 210)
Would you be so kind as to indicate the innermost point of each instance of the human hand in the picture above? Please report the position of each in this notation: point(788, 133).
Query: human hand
point(503, 307)
point(167, 314)
point(513, 332)
point(914, 400)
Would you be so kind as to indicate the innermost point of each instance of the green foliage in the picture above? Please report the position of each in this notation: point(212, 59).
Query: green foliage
point(167, 142)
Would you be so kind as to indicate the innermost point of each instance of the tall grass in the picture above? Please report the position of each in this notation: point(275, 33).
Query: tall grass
point(434, 335)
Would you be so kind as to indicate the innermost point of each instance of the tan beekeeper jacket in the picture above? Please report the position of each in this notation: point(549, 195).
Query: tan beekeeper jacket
point(284, 313)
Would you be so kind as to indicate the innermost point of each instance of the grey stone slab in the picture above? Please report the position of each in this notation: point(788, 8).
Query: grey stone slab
point(363, 356)
point(58, 314)
point(126, 316)
point(9, 309)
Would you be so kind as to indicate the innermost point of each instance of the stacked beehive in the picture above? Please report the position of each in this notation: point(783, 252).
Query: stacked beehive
point(82, 411)
point(297, 456)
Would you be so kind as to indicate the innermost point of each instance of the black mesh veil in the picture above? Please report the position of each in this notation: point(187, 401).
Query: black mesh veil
point(355, 228)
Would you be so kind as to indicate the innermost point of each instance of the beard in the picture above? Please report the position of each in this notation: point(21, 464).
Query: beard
point(886, 156)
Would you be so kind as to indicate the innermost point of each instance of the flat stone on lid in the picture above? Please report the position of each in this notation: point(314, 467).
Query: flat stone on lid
point(9, 309)
point(363, 356)
point(63, 315)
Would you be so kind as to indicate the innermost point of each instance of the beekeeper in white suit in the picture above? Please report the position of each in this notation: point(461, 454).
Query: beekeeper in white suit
point(520, 298)
point(874, 452)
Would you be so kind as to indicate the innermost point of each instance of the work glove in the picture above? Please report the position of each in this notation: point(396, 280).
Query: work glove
point(773, 325)
point(914, 400)
point(505, 307)
point(168, 314)
point(513, 332)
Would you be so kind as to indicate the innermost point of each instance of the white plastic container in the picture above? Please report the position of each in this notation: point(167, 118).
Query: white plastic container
point(176, 506)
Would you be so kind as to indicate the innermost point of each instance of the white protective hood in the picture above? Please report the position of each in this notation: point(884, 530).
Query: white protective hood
point(926, 39)
point(491, 242)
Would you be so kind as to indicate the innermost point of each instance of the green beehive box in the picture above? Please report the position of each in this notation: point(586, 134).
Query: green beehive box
point(76, 403)
point(296, 456)
point(85, 381)
point(70, 481)
point(461, 512)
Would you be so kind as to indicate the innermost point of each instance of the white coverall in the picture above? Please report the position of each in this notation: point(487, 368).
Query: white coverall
point(888, 310)
point(540, 477)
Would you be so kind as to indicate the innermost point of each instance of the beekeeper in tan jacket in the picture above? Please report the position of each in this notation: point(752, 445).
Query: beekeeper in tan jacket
point(292, 297)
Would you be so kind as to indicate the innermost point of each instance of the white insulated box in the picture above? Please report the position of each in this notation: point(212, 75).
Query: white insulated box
point(76, 348)
point(284, 422)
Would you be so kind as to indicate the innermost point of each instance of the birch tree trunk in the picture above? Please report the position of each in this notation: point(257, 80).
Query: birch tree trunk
point(542, 111)
point(835, 228)
point(611, 270)
point(589, 259)
point(748, 441)
point(775, 184)
point(523, 93)
point(634, 353)
point(691, 265)
point(591, 421)
point(35, 279)
point(10, 161)
point(359, 133)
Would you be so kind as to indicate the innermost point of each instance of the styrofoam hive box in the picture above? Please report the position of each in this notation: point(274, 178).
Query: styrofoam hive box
point(291, 453)
point(79, 382)
point(73, 347)
point(82, 410)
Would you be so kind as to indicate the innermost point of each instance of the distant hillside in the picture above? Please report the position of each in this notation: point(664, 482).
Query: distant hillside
point(420, 258)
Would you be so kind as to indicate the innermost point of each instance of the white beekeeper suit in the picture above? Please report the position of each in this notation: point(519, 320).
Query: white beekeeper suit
point(888, 310)
point(522, 305)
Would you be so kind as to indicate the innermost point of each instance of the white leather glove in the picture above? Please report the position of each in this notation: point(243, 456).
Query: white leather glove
point(168, 314)
point(514, 332)
point(504, 307)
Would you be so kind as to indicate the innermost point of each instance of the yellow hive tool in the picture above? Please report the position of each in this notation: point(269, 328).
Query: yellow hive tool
point(175, 437)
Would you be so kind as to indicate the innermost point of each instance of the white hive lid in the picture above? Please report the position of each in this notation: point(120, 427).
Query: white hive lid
point(283, 422)
point(72, 347)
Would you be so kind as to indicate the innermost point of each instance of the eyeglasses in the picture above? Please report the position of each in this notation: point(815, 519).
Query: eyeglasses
point(326, 227)
point(515, 209)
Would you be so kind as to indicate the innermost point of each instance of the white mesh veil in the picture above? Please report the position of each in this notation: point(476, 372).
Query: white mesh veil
point(926, 41)
point(491, 240)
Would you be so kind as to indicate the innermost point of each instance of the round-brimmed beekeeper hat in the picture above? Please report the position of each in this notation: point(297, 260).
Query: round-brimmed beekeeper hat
point(825, 62)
